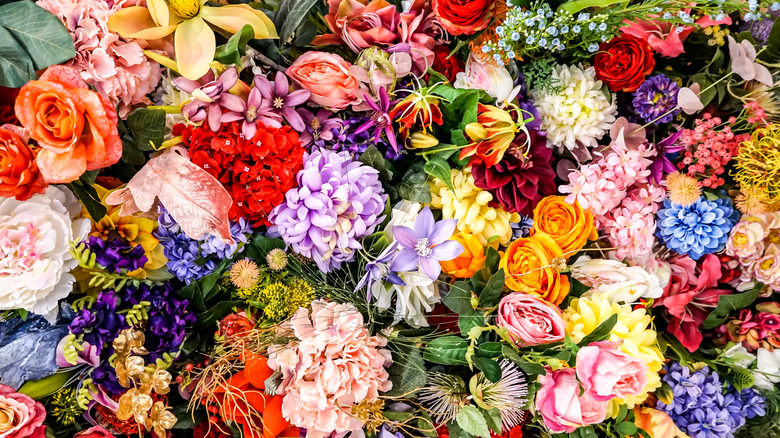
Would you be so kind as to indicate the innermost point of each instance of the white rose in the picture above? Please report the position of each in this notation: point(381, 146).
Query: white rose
point(495, 80)
point(35, 261)
point(620, 282)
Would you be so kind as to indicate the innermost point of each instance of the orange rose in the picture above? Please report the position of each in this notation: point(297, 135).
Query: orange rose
point(74, 126)
point(569, 225)
point(469, 261)
point(528, 264)
point(19, 175)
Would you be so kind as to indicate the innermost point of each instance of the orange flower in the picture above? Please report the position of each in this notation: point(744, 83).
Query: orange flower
point(656, 423)
point(74, 126)
point(491, 135)
point(569, 225)
point(19, 175)
point(528, 264)
point(242, 400)
point(469, 261)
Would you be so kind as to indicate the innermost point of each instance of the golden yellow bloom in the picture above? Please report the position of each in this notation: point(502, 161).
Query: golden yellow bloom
point(634, 329)
point(244, 274)
point(421, 140)
point(469, 205)
point(758, 162)
point(683, 189)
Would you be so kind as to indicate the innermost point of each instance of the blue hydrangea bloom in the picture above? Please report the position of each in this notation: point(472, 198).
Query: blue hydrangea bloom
point(697, 229)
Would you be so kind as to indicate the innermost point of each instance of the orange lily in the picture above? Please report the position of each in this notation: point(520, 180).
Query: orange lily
point(194, 40)
point(491, 134)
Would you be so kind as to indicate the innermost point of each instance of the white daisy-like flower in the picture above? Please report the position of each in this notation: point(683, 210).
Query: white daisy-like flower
point(578, 114)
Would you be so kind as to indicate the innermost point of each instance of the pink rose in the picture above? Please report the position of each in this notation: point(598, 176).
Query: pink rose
point(20, 416)
point(561, 406)
point(606, 372)
point(328, 78)
point(530, 320)
point(360, 25)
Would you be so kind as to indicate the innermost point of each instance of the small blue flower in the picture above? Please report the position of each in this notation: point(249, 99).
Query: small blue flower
point(530, 39)
point(511, 55)
point(529, 22)
point(500, 30)
point(552, 30)
point(667, 16)
point(485, 49)
point(543, 42)
point(593, 48)
point(592, 26)
point(697, 229)
point(556, 42)
point(584, 16)
point(576, 29)
point(515, 36)
point(775, 6)
point(603, 27)
point(565, 29)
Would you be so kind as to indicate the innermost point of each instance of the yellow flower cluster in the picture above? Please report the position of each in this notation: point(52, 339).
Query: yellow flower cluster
point(717, 35)
point(278, 299)
point(469, 205)
point(758, 162)
point(633, 328)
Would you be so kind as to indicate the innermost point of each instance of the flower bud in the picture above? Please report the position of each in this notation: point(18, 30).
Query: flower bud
point(476, 131)
point(422, 140)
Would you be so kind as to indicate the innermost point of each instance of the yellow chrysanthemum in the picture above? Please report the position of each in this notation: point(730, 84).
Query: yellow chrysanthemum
point(469, 205)
point(633, 328)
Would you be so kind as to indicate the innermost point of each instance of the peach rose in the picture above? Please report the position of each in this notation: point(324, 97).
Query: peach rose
point(529, 266)
point(569, 225)
point(606, 372)
point(328, 78)
point(74, 126)
point(469, 261)
point(19, 175)
point(20, 416)
point(530, 320)
point(563, 406)
point(656, 423)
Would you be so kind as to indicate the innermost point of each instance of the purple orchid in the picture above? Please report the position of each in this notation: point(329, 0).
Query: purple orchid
point(379, 270)
point(210, 98)
point(281, 101)
point(426, 245)
point(661, 163)
point(320, 127)
point(380, 119)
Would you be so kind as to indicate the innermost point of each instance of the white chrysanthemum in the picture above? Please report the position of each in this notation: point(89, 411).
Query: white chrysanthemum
point(35, 261)
point(579, 114)
point(413, 299)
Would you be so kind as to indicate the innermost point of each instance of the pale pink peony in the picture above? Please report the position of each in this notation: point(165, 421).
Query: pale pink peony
point(606, 372)
point(561, 405)
point(746, 240)
point(334, 365)
point(530, 320)
point(20, 416)
point(117, 68)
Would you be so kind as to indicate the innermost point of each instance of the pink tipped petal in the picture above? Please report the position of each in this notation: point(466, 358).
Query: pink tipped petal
point(214, 114)
point(297, 97)
point(195, 45)
point(689, 101)
point(233, 18)
point(405, 236)
point(228, 78)
point(185, 84)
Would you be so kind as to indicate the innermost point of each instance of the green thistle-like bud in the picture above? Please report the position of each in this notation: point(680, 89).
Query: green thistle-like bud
point(742, 379)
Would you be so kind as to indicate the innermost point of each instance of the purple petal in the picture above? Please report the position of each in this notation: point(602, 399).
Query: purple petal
point(281, 84)
point(297, 97)
point(424, 225)
point(364, 127)
point(431, 267)
point(370, 102)
point(231, 116)
point(384, 99)
point(264, 85)
point(442, 231)
point(447, 250)
point(405, 260)
point(293, 118)
point(255, 98)
point(405, 236)
point(391, 137)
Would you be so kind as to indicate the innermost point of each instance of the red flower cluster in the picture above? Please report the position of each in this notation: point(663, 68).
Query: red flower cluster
point(255, 171)
point(709, 148)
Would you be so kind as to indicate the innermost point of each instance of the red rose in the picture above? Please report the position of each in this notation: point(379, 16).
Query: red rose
point(463, 17)
point(623, 62)
point(449, 67)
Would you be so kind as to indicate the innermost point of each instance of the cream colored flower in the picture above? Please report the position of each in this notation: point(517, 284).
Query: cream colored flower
point(621, 283)
point(469, 205)
point(413, 299)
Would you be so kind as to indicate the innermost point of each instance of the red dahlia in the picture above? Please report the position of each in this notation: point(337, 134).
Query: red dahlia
point(256, 171)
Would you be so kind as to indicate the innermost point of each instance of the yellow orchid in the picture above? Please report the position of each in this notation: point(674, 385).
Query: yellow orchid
point(194, 40)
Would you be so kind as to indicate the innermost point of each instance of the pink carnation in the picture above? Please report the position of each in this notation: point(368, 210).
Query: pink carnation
point(334, 365)
point(117, 68)
point(23, 415)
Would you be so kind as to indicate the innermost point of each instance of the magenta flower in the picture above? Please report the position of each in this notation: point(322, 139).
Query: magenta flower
point(210, 98)
point(426, 245)
point(380, 119)
point(280, 101)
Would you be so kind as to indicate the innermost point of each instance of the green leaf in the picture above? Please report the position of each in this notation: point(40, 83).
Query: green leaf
point(706, 94)
point(407, 372)
point(210, 317)
point(492, 292)
point(38, 389)
point(489, 350)
point(458, 137)
point(458, 299)
point(626, 428)
point(468, 321)
point(493, 419)
point(414, 185)
point(466, 104)
point(261, 245)
point(289, 16)
point(372, 157)
point(471, 420)
point(492, 258)
point(457, 431)
point(447, 350)
point(31, 38)
point(577, 287)
point(438, 168)
point(147, 126)
point(601, 332)
point(622, 413)
point(89, 197)
point(232, 51)
point(727, 303)
point(490, 367)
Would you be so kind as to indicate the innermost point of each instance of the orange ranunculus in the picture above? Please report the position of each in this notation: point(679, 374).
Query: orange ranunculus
point(19, 175)
point(469, 261)
point(569, 225)
point(529, 265)
point(74, 126)
point(243, 401)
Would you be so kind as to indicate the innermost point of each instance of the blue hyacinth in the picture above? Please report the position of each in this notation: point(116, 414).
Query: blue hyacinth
point(697, 229)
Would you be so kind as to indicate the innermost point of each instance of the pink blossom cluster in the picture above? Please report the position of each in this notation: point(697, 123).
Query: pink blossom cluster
point(708, 148)
point(334, 365)
point(753, 242)
point(117, 68)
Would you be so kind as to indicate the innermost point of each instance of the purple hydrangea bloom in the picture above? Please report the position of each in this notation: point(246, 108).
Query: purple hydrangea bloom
point(426, 245)
point(116, 255)
point(655, 101)
point(337, 202)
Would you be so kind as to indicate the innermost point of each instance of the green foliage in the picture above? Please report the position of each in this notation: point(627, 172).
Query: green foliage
point(447, 350)
point(232, 51)
point(601, 332)
point(99, 277)
point(470, 419)
point(727, 303)
point(414, 184)
point(407, 372)
point(289, 17)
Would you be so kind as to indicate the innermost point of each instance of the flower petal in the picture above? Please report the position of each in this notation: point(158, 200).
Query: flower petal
point(233, 18)
point(447, 251)
point(281, 84)
point(424, 224)
point(405, 236)
point(137, 22)
point(195, 46)
point(159, 11)
point(431, 267)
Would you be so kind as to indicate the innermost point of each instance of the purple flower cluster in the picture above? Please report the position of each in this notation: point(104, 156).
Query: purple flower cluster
point(100, 324)
point(704, 406)
point(337, 202)
point(655, 101)
point(116, 255)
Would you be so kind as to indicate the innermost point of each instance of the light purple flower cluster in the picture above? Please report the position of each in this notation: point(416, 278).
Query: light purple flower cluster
point(337, 202)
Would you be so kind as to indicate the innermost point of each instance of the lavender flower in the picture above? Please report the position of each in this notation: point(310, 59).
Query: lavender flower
point(661, 163)
point(211, 98)
point(282, 101)
point(426, 245)
point(337, 202)
point(380, 119)
point(522, 228)
point(183, 258)
point(320, 128)
point(655, 101)
point(378, 271)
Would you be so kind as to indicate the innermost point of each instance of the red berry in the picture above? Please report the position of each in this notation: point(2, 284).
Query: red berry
point(230, 332)
point(214, 419)
point(179, 379)
point(206, 361)
point(189, 367)
point(213, 409)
